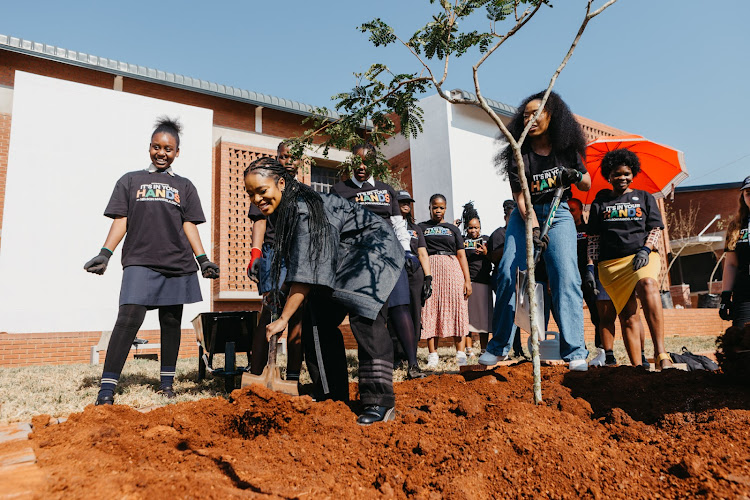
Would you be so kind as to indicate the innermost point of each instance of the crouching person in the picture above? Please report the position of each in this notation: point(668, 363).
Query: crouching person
point(327, 244)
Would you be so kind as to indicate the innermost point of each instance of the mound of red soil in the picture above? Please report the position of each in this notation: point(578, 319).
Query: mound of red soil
point(611, 432)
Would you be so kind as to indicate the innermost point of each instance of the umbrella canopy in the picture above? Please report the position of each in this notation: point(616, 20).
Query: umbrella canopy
point(662, 167)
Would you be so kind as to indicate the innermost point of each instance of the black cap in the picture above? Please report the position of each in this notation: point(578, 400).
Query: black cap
point(745, 183)
point(404, 196)
point(509, 205)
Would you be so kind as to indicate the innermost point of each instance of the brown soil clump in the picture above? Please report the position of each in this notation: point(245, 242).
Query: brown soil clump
point(609, 433)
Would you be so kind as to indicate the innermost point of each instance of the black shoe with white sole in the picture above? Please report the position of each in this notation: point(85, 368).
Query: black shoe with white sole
point(374, 413)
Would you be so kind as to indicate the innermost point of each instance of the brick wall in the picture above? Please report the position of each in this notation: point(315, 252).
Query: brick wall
point(402, 163)
point(707, 203)
point(4, 145)
point(12, 61)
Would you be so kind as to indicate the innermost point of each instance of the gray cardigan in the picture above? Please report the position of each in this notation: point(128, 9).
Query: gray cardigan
point(360, 264)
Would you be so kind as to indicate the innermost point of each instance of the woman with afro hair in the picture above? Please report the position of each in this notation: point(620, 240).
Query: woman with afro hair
point(552, 156)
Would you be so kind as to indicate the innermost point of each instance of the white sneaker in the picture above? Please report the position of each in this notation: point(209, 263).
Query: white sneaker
point(578, 365)
point(489, 359)
point(432, 360)
point(469, 352)
point(599, 358)
point(461, 358)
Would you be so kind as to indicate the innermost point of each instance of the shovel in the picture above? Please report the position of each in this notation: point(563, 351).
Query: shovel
point(271, 377)
point(523, 312)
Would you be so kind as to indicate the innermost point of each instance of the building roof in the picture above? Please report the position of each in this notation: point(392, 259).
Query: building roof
point(708, 187)
point(115, 67)
point(497, 106)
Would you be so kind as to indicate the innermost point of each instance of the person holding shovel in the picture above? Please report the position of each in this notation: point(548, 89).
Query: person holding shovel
point(735, 299)
point(342, 259)
point(552, 156)
point(624, 227)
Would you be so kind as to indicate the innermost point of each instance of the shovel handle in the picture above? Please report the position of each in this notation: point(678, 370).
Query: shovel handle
point(272, 343)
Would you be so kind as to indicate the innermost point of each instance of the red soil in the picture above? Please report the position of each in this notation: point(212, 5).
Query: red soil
point(611, 432)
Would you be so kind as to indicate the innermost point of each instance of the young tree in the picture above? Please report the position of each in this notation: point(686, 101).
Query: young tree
point(381, 99)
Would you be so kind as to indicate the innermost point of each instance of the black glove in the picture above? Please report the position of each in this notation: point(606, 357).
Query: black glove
point(725, 309)
point(589, 282)
point(98, 264)
point(570, 176)
point(540, 243)
point(208, 268)
point(426, 289)
point(411, 263)
point(641, 258)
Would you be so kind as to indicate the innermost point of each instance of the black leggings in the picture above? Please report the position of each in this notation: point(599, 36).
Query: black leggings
point(740, 313)
point(129, 320)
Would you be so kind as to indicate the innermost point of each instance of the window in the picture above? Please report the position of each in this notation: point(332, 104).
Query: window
point(321, 178)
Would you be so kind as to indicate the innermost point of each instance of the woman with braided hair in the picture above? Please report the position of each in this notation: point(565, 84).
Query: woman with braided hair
point(344, 260)
point(624, 227)
point(480, 272)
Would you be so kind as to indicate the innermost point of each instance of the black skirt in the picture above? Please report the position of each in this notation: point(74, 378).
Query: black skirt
point(146, 287)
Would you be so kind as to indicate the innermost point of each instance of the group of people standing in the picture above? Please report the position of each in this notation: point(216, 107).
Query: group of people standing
point(359, 252)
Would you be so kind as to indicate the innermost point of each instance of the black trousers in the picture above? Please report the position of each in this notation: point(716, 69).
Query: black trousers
point(375, 351)
point(594, 313)
point(740, 314)
point(416, 280)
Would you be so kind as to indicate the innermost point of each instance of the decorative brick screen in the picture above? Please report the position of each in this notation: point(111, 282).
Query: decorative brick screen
point(233, 228)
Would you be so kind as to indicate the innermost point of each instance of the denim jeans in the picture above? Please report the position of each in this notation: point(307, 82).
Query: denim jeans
point(561, 259)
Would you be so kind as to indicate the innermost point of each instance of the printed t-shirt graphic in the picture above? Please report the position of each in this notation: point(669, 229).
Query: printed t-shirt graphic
point(480, 267)
point(156, 205)
point(379, 199)
point(623, 222)
point(741, 288)
point(543, 176)
point(416, 237)
point(441, 238)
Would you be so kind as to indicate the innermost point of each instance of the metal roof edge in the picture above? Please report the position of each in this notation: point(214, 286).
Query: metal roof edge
point(708, 187)
point(83, 60)
point(497, 106)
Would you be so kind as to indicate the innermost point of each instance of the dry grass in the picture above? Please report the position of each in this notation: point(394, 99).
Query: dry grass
point(64, 389)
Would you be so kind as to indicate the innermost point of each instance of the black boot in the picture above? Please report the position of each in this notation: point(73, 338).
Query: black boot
point(104, 400)
point(374, 413)
point(167, 392)
point(414, 371)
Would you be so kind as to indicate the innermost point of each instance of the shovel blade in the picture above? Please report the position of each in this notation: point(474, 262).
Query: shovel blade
point(523, 311)
point(271, 378)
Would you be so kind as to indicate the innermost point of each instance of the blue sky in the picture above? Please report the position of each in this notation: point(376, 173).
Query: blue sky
point(674, 71)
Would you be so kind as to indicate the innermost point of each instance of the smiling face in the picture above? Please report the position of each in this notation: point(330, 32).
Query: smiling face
point(437, 210)
point(620, 178)
point(163, 150)
point(361, 172)
point(405, 207)
point(264, 191)
point(541, 126)
point(474, 229)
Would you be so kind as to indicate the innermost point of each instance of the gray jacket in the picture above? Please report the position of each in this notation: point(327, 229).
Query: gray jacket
point(361, 263)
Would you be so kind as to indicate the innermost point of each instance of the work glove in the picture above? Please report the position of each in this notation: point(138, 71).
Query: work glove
point(589, 282)
point(725, 309)
point(570, 176)
point(641, 258)
point(208, 268)
point(412, 262)
point(426, 289)
point(98, 264)
point(253, 267)
point(540, 243)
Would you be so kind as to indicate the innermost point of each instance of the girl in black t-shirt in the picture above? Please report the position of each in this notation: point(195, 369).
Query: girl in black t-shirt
point(446, 314)
point(159, 211)
point(480, 272)
point(551, 157)
point(735, 299)
point(624, 227)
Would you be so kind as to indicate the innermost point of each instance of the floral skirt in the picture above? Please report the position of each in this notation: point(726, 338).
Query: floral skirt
point(446, 312)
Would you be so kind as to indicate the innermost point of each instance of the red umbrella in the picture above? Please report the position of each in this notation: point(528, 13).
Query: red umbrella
point(662, 167)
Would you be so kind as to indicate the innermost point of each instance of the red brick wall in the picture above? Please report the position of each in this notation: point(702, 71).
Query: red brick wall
point(4, 145)
point(402, 163)
point(708, 203)
point(12, 61)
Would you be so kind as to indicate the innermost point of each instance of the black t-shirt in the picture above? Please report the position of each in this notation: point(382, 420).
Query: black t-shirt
point(442, 237)
point(480, 267)
point(496, 242)
point(380, 199)
point(543, 176)
point(741, 287)
point(416, 236)
point(156, 205)
point(583, 240)
point(254, 214)
point(623, 222)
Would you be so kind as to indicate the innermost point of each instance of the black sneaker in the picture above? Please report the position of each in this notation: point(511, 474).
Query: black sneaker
point(104, 400)
point(644, 362)
point(167, 392)
point(610, 360)
point(374, 413)
point(414, 371)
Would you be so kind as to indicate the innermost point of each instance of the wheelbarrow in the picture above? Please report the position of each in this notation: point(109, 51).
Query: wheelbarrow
point(227, 333)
